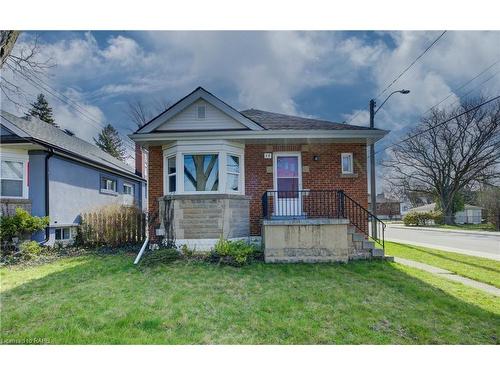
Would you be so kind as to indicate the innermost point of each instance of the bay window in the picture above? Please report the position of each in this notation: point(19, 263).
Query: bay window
point(201, 172)
point(233, 173)
point(171, 174)
point(195, 168)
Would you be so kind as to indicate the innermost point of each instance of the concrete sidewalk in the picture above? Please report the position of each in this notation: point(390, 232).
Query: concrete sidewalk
point(449, 275)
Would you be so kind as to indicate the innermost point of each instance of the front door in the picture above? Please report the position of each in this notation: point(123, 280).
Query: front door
point(287, 183)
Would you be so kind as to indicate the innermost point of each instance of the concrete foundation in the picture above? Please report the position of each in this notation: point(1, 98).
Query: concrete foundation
point(200, 220)
point(308, 240)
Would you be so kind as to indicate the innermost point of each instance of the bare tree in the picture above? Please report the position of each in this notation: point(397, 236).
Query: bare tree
point(489, 199)
point(7, 40)
point(444, 160)
point(140, 111)
point(24, 64)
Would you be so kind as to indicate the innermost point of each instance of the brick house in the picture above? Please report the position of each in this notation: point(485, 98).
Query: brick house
point(292, 182)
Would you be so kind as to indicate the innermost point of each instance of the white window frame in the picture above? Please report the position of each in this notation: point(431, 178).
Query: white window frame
point(222, 148)
point(131, 186)
point(62, 234)
point(228, 154)
point(219, 177)
point(167, 191)
point(106, 190)
point(18, 158)
point(351, 164)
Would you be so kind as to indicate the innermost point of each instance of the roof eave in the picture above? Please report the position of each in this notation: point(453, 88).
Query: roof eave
point(370, 136)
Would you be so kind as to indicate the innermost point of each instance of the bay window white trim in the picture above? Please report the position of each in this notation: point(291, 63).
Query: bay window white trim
point(18, 158)
point(221, 148)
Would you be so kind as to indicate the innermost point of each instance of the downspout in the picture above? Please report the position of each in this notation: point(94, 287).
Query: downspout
point(47, 195)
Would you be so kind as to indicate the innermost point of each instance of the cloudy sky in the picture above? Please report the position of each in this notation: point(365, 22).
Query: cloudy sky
point(330, 75)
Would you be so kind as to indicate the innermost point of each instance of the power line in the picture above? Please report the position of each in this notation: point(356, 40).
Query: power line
point(463, 85)
point(413, 63)
point(69, 102)
point(403, 72)
point(440, 124)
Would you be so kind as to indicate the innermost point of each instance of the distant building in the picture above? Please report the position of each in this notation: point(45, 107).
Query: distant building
point(387, 208)
point(469, 215)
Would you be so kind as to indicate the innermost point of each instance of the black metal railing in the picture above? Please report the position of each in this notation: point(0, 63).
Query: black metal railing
point(332, 204)
point(362, 219)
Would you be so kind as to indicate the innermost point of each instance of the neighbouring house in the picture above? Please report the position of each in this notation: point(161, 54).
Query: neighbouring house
point(298, 184)
point(50, 172)
point(387, 208)
point(469, 215)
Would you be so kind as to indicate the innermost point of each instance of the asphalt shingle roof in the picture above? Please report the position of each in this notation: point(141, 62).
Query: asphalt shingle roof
point(278, 121)
point(49, 134)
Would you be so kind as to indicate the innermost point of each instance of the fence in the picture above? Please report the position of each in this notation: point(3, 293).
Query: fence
point(113, 226)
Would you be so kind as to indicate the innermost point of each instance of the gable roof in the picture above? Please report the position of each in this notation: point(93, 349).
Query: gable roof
point(198, 93)
point(35, 130)
point(278, 121)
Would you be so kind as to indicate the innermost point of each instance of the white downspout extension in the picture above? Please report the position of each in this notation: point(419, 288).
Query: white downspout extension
point(138, 258)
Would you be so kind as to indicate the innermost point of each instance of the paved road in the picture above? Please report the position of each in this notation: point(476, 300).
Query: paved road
point(471, 243)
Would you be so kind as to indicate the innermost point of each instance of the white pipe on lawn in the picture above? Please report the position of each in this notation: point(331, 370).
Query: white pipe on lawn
point(138, 258)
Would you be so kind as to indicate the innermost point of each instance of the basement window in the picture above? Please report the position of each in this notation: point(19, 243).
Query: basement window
point(63, 234)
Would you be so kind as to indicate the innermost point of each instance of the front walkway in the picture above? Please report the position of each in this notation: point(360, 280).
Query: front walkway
point(449, 275)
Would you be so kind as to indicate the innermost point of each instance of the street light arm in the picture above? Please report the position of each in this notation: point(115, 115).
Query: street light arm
point(381, 105)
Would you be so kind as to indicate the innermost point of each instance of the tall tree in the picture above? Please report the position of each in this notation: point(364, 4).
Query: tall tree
point(41, 110)
point(443, 160)
point(20, 63)
point(7, 40)
point(109, 141)
point(140, 112)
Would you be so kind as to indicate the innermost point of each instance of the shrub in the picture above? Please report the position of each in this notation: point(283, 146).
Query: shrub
point(438, 217)
point(29, 249)
point(161, 255)
point(20, 225)
point(423, 218)
point(235, 253)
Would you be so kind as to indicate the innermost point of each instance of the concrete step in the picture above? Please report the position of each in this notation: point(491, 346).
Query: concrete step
point(368, 244)
point(351, 229)
point(378, 253)
point(358, 237)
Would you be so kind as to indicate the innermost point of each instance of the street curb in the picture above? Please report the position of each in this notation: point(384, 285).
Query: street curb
point(443, 230)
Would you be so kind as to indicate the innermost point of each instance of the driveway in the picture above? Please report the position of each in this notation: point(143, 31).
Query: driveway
point(482, 244)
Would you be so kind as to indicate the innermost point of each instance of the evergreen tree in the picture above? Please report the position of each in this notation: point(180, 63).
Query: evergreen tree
point(109, 141)
point(40, 109)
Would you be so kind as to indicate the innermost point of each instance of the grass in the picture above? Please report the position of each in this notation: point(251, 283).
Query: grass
point(477, 268)
point(482, 227)
point(106, 300)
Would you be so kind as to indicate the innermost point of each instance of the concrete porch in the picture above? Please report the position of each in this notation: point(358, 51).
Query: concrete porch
point(315, 240)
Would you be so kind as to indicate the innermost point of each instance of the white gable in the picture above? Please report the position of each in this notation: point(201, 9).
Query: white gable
point(188, 119)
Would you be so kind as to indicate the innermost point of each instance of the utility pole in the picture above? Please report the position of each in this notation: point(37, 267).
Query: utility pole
point(373, 192)
point(373, 189)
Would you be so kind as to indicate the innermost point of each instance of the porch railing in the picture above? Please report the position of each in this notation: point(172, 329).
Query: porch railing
point(312, 204)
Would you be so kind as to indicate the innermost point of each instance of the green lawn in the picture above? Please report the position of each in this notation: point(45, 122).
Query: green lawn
point(105, 299)
point(487, 227)
point(480, 269)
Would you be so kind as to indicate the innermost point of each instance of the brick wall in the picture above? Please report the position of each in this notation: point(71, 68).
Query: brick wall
point(324, 174)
